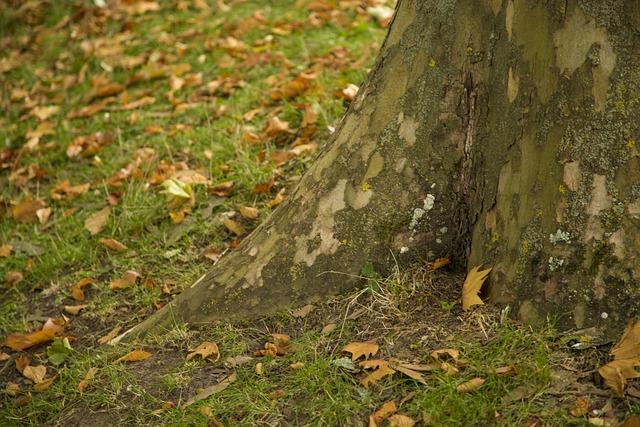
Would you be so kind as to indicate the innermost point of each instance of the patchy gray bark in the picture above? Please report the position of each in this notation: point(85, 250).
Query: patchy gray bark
point(493, 132)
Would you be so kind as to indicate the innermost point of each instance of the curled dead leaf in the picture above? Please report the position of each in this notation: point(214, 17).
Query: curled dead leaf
point(471, 287)
point(113, 244)
point(470, 385)
point(206, 350)
point(111, 335)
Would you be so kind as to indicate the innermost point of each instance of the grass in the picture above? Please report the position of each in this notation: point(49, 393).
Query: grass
point(55, 54)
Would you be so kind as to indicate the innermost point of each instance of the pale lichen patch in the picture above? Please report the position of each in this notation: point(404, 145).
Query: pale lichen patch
point(512, 86)
point(580, 40)
point(408, 128)
point(571, 175)
point(322, 227)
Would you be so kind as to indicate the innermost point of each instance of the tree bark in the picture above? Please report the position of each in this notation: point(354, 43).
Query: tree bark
point(493, 132)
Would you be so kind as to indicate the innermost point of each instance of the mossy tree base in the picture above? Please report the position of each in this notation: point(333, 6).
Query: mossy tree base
point(492, 132)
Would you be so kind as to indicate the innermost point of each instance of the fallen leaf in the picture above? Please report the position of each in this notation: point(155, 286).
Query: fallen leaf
point(471, 287)
point(205, 351)
point(302, 313)
point(45, 384)
point(22, 362)
point(221, 190)
point(399, 420)
point(75, 309)
point(82, 385)
point(96, 222)
point(278, 199)
point(18, 341)
point(134, 356)
point(580, 408)
point(12, 278)
point(26, 210)
point(382, 414)
point(234, 226)
point(275, 127)
point(453, 353)
point(626, 357)
point(111, 335)
point(211, 390)
point(5, 250)
point(276, 394)
point(328, 329)
point(470, 385)
point(113, 244)
point(297, 365)
point(76, 290)
point(382, 370)
point(128, 279)
point(360, 349)
point(438, 263)
point(35, 373)
point(248, 212)
point(410, 373)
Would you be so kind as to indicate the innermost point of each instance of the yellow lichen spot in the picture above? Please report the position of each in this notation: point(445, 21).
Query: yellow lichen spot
point(561, 189)
point(365, 186)
point(495, 237)
point(344, 241)
point(432, 63)
point(631, 144)
point(469, 49)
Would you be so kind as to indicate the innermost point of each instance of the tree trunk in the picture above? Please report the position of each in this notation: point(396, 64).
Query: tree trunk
point(494, 132)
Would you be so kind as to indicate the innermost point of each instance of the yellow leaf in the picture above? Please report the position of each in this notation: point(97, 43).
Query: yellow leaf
point(205, 350)
point(96, 222)
point(471, 287)
point(75, 309)
point(135, 356)
point(26, 211)
point(302, 313)
point(233, 226)
point(359, 349)
point(113, 244)
point(18, 341)
point(76, 291)
point(128, 279)
point(249, 212)
point(470, 385)
point(5, 250)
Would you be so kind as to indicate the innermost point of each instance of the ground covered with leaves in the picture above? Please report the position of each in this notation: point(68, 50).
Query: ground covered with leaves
point(141, 141)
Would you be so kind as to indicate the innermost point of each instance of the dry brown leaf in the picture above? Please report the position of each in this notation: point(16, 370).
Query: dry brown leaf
point(302, 313)
point(75, 309)
point(26, 210)
point(43, 215)
point(35, 373)
point(328, 329)
point(506, 370)
point(410, 373)
point(12, 278)
point(134, 356)
point(626, 357)
point(22, 362)
point(297, 365)
point(111, 335)
point(206, 350)
point(278, 199)
point(249, 212)
point(438, 263)
point(234, 226)
point(65, 189)
point(5, 250)
point(113, 244)
point(12, 389)
point(18, 341)
point(221, 190)
point(275, 126)
point(373, 363)
point(128, 279)
point(359, 349)
point(471, 287)
point(76, 290)
point(216, 388)
point(382, 371)
point(470, 385)
point(277, 393)
point(399, 420)
point(580, 409)
point(4, 356)
point(82, 385)
point(96, 222)
point(45, 384)
point(453, 353)
point(382, 414)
